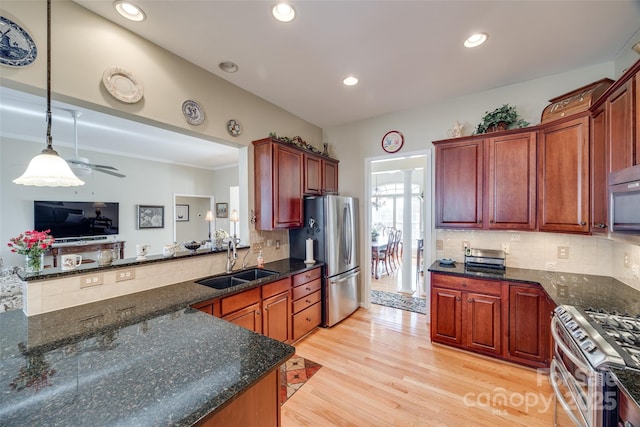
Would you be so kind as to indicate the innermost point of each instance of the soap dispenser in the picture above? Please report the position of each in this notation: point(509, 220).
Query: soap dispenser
point(260, 260)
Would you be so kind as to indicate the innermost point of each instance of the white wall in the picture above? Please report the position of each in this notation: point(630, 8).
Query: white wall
point(353, 142)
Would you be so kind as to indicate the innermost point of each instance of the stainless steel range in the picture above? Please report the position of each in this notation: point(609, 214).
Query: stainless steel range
point(586, 342)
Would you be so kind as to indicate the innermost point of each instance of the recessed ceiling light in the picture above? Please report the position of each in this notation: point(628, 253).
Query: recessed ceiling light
point(476, 39)
point(636, 47)
point(284, 12)
point(129, 10)
point(350, 81)
point(228, 66)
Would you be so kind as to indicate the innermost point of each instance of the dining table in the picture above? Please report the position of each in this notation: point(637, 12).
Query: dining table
point(378, 246)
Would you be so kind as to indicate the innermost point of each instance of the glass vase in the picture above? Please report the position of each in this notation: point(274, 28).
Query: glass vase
point(34, 264)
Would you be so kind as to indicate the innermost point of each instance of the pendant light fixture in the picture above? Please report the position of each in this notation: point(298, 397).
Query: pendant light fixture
point(48, 169)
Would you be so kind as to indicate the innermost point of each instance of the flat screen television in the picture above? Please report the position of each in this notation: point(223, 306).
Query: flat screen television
point(76, 220)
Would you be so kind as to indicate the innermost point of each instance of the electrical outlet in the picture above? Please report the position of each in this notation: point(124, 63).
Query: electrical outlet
point(515, 237)
point(257, 247)
point(269, 243)
point(505, 247)
point(277, 244)
point(465, 245)
point(123, 275)
point(563, 252)
point(440, 245)
point(627, 261)
point(550, 265)
point(91, 280)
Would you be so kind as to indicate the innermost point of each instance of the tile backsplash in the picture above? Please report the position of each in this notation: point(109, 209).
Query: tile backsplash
point(539, 251)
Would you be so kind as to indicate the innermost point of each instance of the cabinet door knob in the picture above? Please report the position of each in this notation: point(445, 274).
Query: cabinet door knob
point(492, 222)
point(583, 223)
point(308, 301)
point(458, 299)
point(258, 312)
point(464, 285)
point(307, 288)
point(470, 300)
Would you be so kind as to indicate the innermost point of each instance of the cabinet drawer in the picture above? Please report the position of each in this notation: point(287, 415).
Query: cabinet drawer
point(466, 284)
point(307, 276)
point(241, 300)
point(306, 289)
point(306, 320)
point(275, 288)
point(307, 301)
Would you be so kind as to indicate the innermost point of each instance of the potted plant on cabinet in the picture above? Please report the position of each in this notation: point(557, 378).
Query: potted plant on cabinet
point(502, 118)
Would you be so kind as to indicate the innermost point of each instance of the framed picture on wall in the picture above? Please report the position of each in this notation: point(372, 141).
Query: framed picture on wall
point(182, 212)
point(150, 216)
point(222, 210)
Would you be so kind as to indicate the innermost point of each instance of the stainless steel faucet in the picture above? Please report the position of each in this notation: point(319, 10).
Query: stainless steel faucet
point(245, 261)
point(231, 260)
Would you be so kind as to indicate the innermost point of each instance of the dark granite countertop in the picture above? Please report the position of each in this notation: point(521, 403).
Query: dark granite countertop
point(581, 290)
point(141, 359)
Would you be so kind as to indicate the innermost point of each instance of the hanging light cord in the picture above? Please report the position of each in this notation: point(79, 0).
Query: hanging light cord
point(49, 149)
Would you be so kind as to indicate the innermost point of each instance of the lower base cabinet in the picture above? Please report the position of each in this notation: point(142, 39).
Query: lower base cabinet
point(257, 407)
point(507, 320)
point(285, 310)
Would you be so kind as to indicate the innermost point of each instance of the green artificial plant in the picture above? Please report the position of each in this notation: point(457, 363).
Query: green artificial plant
point(502, 118)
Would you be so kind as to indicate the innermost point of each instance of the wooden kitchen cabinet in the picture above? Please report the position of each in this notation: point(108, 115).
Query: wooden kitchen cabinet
point(563, 176)
point(249, 317)
point(487, 183)
point(511, 183)
point(636, 116)
point(276, 310)
point(529, 324)
point(307, 302)
point(620, 137)
point(467, 313)
point(320, 175)
point(459, 183)
point(599, 172)
point(502, 319)
point(278, 172)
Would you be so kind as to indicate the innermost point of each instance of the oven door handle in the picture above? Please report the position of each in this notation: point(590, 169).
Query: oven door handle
point(556, 371)
point(565, 349)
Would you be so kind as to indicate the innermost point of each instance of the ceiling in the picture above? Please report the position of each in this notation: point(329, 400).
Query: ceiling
point(406, 54)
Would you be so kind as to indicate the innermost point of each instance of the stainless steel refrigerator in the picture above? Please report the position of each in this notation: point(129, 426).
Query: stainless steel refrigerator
point(332, 223)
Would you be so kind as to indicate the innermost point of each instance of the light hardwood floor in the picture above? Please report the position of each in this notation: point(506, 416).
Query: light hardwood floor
point(380, 369)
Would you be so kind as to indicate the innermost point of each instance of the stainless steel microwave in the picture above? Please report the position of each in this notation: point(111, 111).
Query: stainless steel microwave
point(624, 196)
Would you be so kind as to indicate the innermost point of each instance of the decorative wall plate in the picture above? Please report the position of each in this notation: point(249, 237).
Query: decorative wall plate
point(17, 48)
point(392, 141)
point(193, 112)
point(234, 127)
point(121, 84)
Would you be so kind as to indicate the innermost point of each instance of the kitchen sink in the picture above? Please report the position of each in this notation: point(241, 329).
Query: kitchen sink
point(222, 282)
point(253, 274)
point(234, 279)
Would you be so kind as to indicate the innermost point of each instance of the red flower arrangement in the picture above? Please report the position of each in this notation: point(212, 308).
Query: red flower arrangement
point(32, 243)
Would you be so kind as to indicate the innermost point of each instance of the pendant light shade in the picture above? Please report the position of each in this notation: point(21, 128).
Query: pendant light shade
point(48, 169)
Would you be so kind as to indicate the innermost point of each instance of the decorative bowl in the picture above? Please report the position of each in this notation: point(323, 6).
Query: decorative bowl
point(192, 246)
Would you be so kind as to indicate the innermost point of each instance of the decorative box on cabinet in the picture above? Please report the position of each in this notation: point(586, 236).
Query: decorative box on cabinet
point(563, 176)
point(466, 313)
point(307, 302)
point(576, 101)
point(278, 185)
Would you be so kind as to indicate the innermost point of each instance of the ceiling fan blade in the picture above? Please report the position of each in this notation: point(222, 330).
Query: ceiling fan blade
point(119, 175)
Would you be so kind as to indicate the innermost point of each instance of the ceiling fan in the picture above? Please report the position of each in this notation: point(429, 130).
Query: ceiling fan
point(80, 165)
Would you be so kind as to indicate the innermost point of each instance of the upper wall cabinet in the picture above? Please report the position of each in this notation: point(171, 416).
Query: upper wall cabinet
point(278, 185)
point(563, 176)
point(320, 175)
point(599, 171)
point(487, 183)
point(283, 174)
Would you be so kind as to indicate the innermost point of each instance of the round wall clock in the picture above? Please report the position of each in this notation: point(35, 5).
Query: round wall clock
point(234, 127)
point(392, 141)
point(17, 48)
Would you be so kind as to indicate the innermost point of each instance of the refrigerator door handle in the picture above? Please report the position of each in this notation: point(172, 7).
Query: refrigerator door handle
point(345, 277)
point(347, 234)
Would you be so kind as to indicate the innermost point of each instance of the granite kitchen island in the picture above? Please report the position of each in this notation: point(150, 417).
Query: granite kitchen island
point(142, 359)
